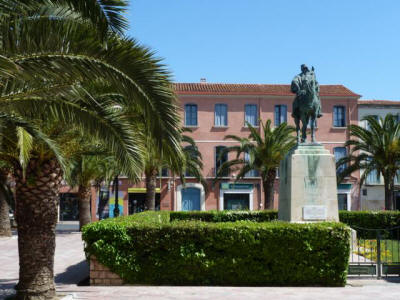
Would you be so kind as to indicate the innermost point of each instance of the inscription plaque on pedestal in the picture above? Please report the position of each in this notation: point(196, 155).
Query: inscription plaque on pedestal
point(314, 212)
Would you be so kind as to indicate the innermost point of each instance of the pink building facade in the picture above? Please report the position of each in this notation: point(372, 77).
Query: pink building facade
point(213, 111)
point(274, 102)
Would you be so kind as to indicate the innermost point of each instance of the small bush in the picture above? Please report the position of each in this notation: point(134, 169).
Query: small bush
point(148, 249)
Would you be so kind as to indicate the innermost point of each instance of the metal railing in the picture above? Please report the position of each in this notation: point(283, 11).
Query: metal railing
point(375, 252)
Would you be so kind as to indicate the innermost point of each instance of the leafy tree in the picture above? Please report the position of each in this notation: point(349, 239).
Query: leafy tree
point(51, 53)
point(265, 150)
point(374, 149)
point(15, 133)
point(187, 164)
point(83, 171)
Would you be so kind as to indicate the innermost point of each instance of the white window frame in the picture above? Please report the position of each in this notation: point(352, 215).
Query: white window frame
point(222, 192)
point(257, 116)
point(197, 115)
point(215, 114)
point(280, 114)
point(348, 193)
point(344, 116)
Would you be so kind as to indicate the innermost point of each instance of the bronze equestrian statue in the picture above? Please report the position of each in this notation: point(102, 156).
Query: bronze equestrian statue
point(307, 104)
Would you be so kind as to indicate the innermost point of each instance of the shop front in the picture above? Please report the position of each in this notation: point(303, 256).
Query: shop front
point(137, 200)
point(236, 196)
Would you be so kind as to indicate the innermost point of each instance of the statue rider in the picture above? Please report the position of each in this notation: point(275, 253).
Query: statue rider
point(298, 87)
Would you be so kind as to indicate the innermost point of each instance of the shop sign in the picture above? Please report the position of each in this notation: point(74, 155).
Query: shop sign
point(236, 186)
point(344, 186)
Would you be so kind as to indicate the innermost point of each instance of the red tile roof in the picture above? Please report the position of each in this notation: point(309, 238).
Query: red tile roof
point(254, 89)
point(378, 102)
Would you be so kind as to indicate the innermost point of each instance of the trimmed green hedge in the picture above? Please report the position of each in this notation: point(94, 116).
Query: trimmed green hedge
point(371, 219)
point(364, 219)
point(148, 249)
point(225, 216)
point(361, 221)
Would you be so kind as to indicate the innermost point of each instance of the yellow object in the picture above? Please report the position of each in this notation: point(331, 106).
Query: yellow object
point(140, 190)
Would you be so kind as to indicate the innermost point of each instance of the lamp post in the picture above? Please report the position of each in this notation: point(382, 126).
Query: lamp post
point(116, 206)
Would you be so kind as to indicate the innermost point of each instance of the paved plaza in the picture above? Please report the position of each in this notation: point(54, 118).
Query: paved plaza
point(71, 268)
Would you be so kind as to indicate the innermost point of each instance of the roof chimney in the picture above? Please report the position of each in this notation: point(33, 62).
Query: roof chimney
point(203, 80)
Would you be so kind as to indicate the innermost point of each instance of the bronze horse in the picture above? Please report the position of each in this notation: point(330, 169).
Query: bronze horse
point(308, 106)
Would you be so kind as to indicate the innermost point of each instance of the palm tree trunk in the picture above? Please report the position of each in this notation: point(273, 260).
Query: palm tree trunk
point(84, 196)
point(389, 192)
point(5, 226)
point(36, 208)
point(151, 182)
point(268, 185)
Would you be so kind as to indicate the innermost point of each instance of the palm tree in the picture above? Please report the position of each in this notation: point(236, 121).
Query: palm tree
point(187, 164)
point(265, 150)
point(51, 52)
point(83, 171)
point(374, 149)
point(15, 133)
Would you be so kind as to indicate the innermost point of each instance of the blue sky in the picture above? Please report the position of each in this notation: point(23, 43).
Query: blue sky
point(355, 42)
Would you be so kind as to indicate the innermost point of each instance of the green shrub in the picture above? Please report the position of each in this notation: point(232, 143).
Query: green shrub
point(371, 219)
point(364, 219)
point(225, 216)
point(147, 249)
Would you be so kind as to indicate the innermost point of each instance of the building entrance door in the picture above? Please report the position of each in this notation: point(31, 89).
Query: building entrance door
point(342, 201)
point(236, 201)
point(191, 199)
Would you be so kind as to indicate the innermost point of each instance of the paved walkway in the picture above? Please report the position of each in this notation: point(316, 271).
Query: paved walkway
point(71, 268)
point(371, 289)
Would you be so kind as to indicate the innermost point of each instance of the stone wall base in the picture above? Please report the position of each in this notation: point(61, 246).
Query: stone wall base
point(101, 275)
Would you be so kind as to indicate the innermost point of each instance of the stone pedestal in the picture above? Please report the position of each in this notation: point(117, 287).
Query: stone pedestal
point(308, 187)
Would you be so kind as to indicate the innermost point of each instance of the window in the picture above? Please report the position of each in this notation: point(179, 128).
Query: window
point(339, 153)
point(219, 160)
point(367, 123)
point(191, 152)
point(251, 173)
point(191, 115)
point(342, 201)
point(339, 116)
point(221, 115)
point(280, 114)
point(310, 122)
point(164, 172)
point(250, 114)
point(373, 177)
